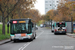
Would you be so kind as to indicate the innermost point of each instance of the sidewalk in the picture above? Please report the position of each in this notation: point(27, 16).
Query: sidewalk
point(71, 35)
point(4, 41)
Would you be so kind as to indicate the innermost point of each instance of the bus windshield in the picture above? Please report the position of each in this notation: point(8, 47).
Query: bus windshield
point(61, 25)
point(21, 28)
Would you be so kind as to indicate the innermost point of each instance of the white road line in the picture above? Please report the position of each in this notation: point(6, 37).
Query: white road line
point(20, 48)
point(39, 34)
point(25, 45)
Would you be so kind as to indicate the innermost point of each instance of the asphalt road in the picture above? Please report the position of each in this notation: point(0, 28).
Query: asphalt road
point(45, 40)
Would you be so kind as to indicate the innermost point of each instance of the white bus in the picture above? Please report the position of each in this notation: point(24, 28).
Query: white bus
point(21, 29)
point(60, 28)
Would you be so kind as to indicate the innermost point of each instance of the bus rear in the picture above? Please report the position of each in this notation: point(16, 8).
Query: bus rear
point(60, 28)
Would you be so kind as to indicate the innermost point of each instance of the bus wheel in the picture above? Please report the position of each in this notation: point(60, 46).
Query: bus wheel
point(15, 41)
point(65, 33)
point(31, 39)
point(35, 36)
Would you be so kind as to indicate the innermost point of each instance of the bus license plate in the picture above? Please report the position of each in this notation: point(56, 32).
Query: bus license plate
point(60, 32)
point(22, 35)
point(21, 38)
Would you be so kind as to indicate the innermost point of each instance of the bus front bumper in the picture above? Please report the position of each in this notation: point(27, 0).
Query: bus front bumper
point(20, 38)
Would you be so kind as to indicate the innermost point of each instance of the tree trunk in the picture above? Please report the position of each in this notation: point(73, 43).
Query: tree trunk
point(11, 16)
point(51, 23)
point(3, 26)
point(7, 27)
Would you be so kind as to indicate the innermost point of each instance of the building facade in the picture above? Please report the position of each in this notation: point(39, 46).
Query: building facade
point(51, 4)
point(70, 0)
point(65, 0)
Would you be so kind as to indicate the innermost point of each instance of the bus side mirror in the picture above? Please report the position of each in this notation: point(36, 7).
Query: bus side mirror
point(8, 24)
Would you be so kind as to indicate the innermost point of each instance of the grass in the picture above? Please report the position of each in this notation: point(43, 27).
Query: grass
point(0, 28)
point(3, 37)
point(6, 36)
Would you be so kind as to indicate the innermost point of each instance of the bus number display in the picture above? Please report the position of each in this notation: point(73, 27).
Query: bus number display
point(22, 21)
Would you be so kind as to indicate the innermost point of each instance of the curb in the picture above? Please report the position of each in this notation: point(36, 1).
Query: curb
point(71, 35)
point(5, 41)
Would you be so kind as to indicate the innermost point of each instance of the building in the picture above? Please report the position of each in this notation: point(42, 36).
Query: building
point(70, 0)
point(62, 1)
point(65, 0)
point(51, 4)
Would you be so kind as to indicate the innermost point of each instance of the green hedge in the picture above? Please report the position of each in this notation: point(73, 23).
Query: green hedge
point(6, 36)
point(2, 37)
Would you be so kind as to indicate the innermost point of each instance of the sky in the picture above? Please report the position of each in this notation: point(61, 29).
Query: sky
point(40, 5)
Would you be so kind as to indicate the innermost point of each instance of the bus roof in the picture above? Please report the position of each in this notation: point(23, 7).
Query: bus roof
point(26, 20)
point(60, 22)
point(19, 19)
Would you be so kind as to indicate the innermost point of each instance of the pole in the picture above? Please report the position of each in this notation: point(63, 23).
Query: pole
point(51, 23)
point(71, 25)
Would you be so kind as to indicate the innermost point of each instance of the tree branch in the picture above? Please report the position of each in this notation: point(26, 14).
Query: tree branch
point(12, 9)
point(1, 8)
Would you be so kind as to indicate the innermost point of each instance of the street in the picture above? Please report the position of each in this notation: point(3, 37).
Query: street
point(45, 40)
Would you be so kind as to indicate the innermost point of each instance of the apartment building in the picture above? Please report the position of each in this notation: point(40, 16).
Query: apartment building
point(65, 0)
point(51, 4)
point(70, 0)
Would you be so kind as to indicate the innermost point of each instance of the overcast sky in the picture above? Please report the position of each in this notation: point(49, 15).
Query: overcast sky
point(40, 5)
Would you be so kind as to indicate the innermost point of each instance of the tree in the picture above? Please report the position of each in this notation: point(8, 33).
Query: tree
point(71, 6)
point(50, 13)
point(34, 15)
point(8, 6)
point(63, 10)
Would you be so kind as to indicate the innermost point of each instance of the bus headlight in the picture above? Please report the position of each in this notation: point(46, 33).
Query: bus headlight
point(29, 36)
point(12, 37)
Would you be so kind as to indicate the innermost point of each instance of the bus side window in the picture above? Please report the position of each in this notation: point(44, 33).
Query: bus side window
point(32, 25)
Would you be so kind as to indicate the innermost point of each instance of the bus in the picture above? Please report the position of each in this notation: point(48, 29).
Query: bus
point(60, 28)
point(21, 29)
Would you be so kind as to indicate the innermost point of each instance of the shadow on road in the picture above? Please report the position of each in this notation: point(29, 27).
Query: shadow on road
point(23, 41)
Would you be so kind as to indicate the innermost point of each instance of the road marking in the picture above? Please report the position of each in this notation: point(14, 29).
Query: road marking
point(63, 47)
point(20, 48)
point(39, 34)
point(25, 45)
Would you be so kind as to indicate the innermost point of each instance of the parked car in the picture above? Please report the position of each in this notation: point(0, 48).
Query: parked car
point(36, 27)
point(41, 25)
